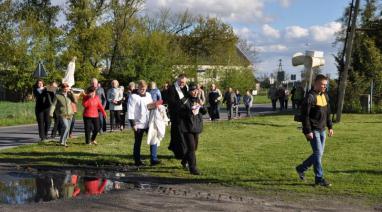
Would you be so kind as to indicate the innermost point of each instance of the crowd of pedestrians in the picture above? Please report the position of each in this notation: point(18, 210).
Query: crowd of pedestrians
point(146, 109)
point(282, 95)
point(132, 107)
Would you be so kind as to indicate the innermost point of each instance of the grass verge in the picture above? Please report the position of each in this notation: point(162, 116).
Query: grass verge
point(16, 113)
point(258, 153)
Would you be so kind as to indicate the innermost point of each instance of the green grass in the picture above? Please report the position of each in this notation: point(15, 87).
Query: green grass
point(261, 99)
point(16, 113)
point(258, 153)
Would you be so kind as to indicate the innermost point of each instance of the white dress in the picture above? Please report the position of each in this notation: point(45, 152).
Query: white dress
point(69, 74)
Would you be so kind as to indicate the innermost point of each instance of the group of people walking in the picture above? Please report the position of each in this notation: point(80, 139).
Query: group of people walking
point(282, 95)
point(186, 105)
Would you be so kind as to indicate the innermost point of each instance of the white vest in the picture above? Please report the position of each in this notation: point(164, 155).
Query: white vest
point(137, 110)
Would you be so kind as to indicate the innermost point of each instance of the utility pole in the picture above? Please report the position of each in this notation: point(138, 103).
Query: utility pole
point(344, 74)
point(371, 95)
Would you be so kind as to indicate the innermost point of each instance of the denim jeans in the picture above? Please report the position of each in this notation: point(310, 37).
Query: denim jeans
point(318, 145)
point(65, 127)
point(101, 122)
point(138, 135)
point(153, 152)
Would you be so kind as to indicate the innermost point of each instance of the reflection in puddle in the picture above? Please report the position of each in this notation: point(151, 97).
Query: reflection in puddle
point(24, 187)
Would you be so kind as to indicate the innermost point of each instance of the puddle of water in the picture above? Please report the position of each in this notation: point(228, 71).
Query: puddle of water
point(19, 187)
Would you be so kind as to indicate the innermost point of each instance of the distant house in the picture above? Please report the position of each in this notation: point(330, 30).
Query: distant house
point(207, 73)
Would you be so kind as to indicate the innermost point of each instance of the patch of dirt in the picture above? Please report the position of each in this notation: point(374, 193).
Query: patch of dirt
point(190, 197)
point(147, 193)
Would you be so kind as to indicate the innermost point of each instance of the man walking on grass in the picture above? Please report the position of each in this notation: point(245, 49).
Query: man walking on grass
point(315, 113)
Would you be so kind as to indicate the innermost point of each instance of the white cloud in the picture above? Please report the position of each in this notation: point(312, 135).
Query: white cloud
point(272, 48)
point(326, 32)
point(296, 32)
point(270, 32)
point(285, 3)
point(243, 11)
point(244, 33)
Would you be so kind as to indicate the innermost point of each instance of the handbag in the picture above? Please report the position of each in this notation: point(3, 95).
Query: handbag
point(74, 107)
point(118, 102)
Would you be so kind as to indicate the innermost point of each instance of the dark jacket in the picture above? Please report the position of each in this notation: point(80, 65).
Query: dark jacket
point(177, 143)
point(164, 94)
point(43, 100)
point(190, 123)
point(175, 103)
point(213, 98)
point(315, 115)
point(230, 98)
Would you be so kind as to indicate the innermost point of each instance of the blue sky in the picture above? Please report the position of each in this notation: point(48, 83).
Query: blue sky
point(306, 12)
point(276, 28)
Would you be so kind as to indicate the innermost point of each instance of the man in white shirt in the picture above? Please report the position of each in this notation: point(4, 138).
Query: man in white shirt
point(138, 114)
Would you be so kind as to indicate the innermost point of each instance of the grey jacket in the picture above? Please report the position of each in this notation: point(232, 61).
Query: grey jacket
point(115, 94)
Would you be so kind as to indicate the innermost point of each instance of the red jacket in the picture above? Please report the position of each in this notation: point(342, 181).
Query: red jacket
point(92, 106)
point(92, 186)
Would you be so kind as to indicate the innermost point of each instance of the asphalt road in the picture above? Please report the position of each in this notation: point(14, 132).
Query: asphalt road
point(28, 134)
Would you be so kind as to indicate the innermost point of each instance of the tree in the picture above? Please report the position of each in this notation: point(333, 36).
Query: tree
point(366, 56)
point(241, 79)
point(211, 42)
point(122, 24)
point(88, 38)
point(28, 35)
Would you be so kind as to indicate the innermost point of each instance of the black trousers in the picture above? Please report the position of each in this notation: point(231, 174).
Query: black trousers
point(56, 126)
point(282, 103)
point(43, 122)
point(138, 135)
point(214, 112)
point(123, 119)
point(192, 140)
point(115, 119)
point(274, 101)
point(91, 125)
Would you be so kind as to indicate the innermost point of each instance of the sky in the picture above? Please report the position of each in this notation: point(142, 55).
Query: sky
point(276, 28)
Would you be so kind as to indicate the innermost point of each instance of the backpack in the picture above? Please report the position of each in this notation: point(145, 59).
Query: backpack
point(298, 117)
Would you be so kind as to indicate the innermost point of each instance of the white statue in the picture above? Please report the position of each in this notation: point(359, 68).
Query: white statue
point(69, 74)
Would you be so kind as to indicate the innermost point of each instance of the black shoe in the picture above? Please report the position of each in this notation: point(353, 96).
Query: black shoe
point(139, 163)
point(184, 164)
point(194, 172)
point(154, 162)
point(301, 174)
point(322, 182)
